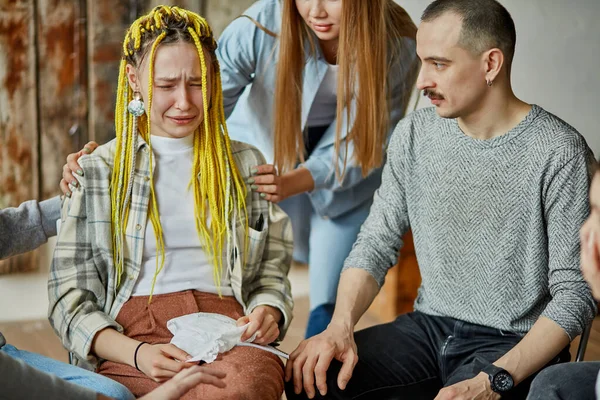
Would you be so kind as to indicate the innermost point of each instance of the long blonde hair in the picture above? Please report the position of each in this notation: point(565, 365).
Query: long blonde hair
point(370, 40)
point(219, 190)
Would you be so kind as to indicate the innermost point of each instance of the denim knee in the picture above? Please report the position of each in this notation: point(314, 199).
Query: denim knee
point(109, 388)
point(75, 375)
point(318, 319)
point(547, 384)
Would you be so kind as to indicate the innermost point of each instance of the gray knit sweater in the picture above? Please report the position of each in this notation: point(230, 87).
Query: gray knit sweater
point(28, 226)
point(495, 222)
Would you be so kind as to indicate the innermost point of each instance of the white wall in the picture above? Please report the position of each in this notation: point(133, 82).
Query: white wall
point(557, 59)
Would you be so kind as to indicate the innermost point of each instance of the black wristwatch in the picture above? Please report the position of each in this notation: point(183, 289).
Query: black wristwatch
point(500, 380)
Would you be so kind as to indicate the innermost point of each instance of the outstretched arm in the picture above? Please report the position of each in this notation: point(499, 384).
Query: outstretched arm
point(28, 226)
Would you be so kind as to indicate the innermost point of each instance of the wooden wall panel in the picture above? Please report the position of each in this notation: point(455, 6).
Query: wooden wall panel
point(106, 25)
point(62, 88)
point(18, 114)
point(220, 13)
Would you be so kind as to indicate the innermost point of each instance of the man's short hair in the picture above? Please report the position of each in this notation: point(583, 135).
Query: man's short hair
point(486, 24)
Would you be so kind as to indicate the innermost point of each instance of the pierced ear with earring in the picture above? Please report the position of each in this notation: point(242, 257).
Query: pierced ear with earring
point(136, 106)
point(489, 82)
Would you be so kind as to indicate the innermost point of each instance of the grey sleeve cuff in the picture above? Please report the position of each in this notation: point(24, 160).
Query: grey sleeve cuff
point(374, 259)
point(573, 315)
point(50, 213)
point(377, 274)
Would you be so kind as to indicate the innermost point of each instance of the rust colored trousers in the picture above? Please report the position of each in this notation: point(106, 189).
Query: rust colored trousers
point(251, 373)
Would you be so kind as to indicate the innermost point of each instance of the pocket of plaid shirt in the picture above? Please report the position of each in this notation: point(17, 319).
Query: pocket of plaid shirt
point(256, 246)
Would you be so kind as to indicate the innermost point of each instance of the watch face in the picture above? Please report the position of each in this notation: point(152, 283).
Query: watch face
point(503, 381)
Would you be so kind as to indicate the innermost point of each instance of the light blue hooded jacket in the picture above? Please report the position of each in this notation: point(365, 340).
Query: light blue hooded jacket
point(248, 60)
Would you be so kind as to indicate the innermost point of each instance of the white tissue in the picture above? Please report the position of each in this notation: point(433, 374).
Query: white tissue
point(205, 335)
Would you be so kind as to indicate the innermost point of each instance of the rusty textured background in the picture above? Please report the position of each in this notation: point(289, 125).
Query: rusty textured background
point(18, 113)
point(62, 86)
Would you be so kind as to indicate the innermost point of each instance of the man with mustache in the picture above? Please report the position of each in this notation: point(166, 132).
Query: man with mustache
point(494, 190)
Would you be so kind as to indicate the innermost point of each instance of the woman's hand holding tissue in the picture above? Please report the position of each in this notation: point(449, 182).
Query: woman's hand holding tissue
point(264, 321)
point(161, 362)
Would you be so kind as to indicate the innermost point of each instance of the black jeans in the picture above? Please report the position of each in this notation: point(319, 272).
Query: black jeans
point(417, 355)
point(566, 381)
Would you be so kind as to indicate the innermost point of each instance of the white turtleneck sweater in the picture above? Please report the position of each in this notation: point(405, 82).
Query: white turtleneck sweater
point(186, 264)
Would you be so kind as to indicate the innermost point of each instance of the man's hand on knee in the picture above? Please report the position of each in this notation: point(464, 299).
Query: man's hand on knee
point(69, 182)
point(308, 364)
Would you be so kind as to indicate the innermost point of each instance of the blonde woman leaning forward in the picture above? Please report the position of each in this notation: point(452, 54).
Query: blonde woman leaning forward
point(318, 87)
point(163, 225)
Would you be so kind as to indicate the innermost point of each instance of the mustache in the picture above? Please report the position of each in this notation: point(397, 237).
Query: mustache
point(432, 95)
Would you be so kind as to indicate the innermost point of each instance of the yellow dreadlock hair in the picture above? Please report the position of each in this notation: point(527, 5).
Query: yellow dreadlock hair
point(216, 181)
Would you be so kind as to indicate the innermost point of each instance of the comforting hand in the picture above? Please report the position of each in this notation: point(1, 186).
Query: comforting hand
point(477, 388)
point(162, 361)
point(184, 381)
point(310, 361)
point(268, 183)
point(264, 321)
point(276, 188)
point(71, 168)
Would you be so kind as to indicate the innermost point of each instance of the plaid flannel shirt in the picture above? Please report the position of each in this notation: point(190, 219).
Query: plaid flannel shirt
point(83, 295)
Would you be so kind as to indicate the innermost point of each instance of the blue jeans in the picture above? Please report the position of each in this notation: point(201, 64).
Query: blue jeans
point(566, 381)
point(324, 244)
point(417, 355)
point(318, 320)
point(71, 373)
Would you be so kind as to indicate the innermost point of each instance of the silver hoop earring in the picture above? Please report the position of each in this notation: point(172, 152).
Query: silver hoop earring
point(489, 82)
point(136, 106)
